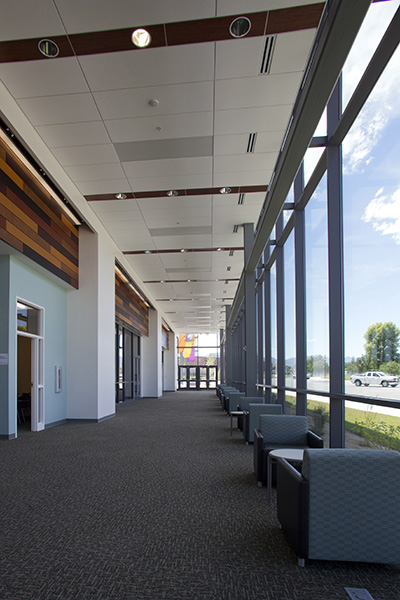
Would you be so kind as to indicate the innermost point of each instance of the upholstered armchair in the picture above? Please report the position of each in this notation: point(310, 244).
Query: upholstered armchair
point(251, 417)
point(280, 431)
point(244, 406)
point(232, 400)
point(343, 506)
point(225, 390)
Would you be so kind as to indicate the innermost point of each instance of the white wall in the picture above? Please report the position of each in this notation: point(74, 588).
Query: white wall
point(151, 358)
point(91, 333)
point(170, 365)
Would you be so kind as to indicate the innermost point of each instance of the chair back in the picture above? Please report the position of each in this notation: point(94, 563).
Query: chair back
point(284, 429)
point(255, 410)
point(246, 400)
point(354, 511)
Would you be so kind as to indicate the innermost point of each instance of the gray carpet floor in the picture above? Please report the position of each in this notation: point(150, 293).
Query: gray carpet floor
point(158, 503)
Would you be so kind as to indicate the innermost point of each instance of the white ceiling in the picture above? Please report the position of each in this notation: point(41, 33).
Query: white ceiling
point(93, 113)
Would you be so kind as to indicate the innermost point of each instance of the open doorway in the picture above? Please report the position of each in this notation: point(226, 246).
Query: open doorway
point(24, 382)
point(30, 372)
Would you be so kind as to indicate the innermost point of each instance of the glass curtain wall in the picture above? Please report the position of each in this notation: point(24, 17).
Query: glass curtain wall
point(352, 266)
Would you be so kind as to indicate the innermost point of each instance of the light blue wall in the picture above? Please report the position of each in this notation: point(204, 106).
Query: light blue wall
point(29, 285)
point(4, 311)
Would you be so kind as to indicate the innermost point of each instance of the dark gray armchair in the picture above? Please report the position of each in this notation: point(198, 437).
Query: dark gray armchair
point(280, 431)
point(343, 506)
point(252, 415)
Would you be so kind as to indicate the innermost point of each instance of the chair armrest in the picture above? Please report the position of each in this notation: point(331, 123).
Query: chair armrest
point(257, 455)
point(314, 441)
point(293, 506)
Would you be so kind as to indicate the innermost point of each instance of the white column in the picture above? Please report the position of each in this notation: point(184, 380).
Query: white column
point(171, 365)
point(91, 332)
point(151, 358)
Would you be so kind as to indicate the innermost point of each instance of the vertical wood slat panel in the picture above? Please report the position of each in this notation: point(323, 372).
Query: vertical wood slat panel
point(129, 308)
point(33, 223)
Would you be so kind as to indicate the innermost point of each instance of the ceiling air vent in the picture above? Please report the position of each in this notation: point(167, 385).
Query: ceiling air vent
point(241, 198)
point(268, 54)
point(252, 142)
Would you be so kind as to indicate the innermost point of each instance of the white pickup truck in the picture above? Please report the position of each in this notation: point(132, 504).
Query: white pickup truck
point(374, 378)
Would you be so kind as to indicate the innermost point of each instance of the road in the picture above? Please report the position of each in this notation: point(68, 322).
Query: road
point(389, 393)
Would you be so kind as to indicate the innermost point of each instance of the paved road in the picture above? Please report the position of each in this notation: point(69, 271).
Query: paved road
point(389, 393)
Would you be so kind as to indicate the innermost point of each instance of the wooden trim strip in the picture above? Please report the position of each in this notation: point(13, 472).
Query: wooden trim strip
point(178, 33)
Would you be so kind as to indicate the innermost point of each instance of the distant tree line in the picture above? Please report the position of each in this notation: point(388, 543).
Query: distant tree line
point(382, 350)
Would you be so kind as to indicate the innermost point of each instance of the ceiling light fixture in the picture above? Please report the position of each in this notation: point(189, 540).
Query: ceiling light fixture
point(141, 38)
point(172, 193)
point(147, 251)
point(120, 196)
point(225, 190)
point(183, 250)
point(240, 27)
point(48, 48)
point(154, 102)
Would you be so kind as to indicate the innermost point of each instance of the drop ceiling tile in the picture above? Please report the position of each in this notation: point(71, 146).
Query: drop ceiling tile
point(182, 241)
point(161, 149)
point(239, 58)
point(86, 155)
point(292, 50)
point(85, 16)
point(171, 126)
point(231, 144)
point(270, 141)
point(73, 134)
point(95, 172)
point(172, 99)
point(110, 207)
point(87, 188)
point(154, 67)
point(165, 167)
point(273, 118)
point(175, 182)
point(43, 78)
point(265, 90)
point(171, 221)
point(40, 19)
point(229, 178)
point(179, 213)
point(174, 203)
point(246, 162)
point(49, 110)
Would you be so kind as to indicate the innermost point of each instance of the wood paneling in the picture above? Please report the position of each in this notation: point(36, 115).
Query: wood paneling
point(164, 338)
point(129, 308)
point(33, 223)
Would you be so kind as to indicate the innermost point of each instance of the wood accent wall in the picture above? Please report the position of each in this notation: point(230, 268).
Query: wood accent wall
point(164, 338)
point(33, 223)
point(129, 308)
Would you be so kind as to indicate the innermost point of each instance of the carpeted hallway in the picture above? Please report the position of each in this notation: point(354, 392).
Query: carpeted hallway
point(158, 503)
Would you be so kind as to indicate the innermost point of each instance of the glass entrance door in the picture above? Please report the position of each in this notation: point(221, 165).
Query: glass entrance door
point(197, 377)
point(127, 345)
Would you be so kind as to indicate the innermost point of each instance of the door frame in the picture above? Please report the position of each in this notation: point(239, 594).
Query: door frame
point(37, 368)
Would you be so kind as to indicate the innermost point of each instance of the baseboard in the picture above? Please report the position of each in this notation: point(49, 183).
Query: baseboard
point(55, 423)
point(7, 436)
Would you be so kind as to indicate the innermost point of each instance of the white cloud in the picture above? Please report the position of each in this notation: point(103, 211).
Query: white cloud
point(381, 106)
point(383, 212)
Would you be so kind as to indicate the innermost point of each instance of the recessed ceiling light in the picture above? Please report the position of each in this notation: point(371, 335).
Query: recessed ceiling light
point(141, 38)
point(154, 102)
point(183, 250)
point(225, 190)
point(219, 249)
point(172, 193)
point(48, 48)
point(240, 27)
point(147, 251)
point(120, 196)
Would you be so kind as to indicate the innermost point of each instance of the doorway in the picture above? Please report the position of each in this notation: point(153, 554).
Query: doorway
point(30, 370)
point(197, 377)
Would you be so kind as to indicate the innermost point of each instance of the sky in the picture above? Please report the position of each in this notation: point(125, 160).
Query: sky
point(371, 188)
